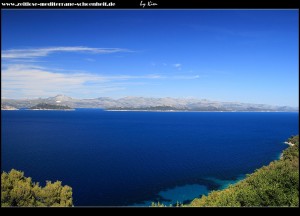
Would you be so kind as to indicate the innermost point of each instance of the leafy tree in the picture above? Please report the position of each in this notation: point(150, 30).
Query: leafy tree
point(18, 190)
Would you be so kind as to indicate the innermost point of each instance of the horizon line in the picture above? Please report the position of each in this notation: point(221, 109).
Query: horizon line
point(191, 98)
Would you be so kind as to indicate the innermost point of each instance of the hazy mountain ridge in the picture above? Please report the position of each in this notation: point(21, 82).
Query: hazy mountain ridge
point(147, 103)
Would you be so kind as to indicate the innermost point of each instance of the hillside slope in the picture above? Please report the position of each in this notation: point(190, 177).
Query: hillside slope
point(274, 185)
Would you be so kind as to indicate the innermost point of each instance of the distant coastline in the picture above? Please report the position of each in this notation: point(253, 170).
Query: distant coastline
point(112, 110)
point(165, 104)
point(45, 106)
point(187, 111)
point(51, 109)
point(5, 107)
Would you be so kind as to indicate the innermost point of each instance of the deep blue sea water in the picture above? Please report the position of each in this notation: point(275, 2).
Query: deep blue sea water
point(133, 158)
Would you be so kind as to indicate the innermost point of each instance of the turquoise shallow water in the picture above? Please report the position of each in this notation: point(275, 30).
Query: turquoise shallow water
point(133, 158)
point(186, 193)
point(178, 194)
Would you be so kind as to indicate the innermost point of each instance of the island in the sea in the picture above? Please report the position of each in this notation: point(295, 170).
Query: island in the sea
point(6, 107)
point(44, 106)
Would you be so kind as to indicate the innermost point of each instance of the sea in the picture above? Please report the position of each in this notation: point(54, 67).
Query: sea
point(131, 158)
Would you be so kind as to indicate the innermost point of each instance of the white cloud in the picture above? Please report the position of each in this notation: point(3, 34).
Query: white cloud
point(41, 52)
point(29, 81)
point(177, 65)
point(19, 81)
point(187, 77)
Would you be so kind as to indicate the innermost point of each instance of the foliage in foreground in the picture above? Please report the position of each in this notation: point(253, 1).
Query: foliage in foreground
point(18, 190)
point(274, 185)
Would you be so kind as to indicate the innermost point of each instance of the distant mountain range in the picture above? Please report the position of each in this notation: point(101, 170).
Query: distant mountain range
point(143, 103)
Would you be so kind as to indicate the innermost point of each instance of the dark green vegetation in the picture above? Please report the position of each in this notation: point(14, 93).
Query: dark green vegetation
point(18, 190)
point(50, 106)
point(274, 185)
point(294, 139)
point(290, 153)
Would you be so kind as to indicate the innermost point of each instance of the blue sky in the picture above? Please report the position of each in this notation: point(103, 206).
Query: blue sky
point(226, 55)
